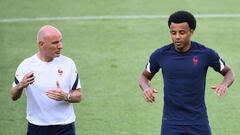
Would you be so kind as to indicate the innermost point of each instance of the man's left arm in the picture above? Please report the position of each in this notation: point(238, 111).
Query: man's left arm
point(74, 96)
point(229, 76)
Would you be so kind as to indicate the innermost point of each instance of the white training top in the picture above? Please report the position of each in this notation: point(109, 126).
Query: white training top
point(42, 110)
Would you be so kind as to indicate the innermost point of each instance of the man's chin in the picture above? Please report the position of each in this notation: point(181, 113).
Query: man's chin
point(57, 55)
point(178, 46)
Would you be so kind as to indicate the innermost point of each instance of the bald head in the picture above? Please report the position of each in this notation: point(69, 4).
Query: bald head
point(49, 43)
point(46, 31)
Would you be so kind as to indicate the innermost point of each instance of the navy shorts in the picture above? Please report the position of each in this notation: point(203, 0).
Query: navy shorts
point(169, 129)
point(68, 129)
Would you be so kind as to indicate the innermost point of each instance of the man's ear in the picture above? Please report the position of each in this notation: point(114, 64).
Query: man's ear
point(192, 31)
point(40, 44)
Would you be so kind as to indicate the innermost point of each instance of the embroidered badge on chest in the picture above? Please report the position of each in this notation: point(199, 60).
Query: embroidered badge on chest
point(60, 71)
point(195, 60)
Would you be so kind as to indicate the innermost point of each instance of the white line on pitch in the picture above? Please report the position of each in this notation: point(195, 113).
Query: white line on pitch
point(128, 17)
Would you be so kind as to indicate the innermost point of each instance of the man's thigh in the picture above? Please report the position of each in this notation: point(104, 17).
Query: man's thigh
point(68, 129)
point(203, 129)
point(169, 129)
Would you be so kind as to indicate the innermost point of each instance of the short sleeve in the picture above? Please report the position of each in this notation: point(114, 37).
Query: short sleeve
point(215, 61)
point(20, 72)
point(75, 79)
point(153, 63)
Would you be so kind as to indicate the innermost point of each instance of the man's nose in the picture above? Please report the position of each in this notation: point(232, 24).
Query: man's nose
point(177, 35)
point(59, 46)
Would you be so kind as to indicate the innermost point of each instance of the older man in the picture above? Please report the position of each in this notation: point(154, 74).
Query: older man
point(51, 83)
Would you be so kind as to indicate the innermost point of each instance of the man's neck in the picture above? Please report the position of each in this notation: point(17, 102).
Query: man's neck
point(43, 58)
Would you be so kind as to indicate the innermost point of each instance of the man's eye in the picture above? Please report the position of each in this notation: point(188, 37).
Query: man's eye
point(182, 32)
point(56, 42)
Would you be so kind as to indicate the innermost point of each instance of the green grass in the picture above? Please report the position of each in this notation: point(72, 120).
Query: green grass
point(110, 55)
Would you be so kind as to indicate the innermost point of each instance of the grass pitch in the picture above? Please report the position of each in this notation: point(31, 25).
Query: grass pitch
point(110, 55)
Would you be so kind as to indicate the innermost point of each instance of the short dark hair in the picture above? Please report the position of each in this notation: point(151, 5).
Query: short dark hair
point(181, 17)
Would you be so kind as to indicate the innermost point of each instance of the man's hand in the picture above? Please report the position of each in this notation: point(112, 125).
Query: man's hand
point(16, 91)
point(57, 94)
point(149, 94)
point(220, 90)
point(27, 79)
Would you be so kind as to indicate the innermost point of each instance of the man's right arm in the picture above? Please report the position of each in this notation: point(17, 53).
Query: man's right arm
point(17, 90)
point(144, 83)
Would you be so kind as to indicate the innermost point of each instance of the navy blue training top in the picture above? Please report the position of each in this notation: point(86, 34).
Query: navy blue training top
point(184, 76)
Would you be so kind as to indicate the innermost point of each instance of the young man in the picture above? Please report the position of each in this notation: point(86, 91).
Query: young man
point(184, 65)
point(51, 83)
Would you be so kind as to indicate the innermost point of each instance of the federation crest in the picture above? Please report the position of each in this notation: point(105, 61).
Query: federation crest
point(195, 60)
point(60, 71)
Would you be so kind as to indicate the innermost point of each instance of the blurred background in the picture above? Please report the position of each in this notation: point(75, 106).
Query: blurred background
point(110, 42)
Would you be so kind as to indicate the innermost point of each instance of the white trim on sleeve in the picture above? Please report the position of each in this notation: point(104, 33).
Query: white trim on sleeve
point(221, 64)
point(148, 67)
